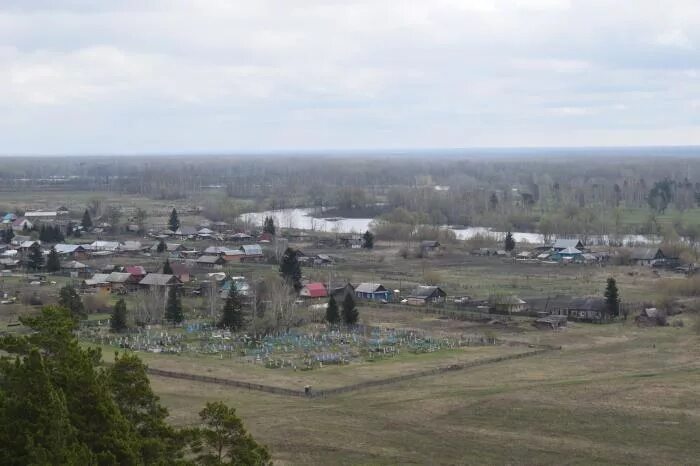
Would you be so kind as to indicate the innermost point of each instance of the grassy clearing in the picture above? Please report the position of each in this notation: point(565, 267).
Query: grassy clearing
point(615, 395)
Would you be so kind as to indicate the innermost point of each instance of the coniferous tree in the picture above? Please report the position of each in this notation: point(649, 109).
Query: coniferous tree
point(87, 220)
point(53, 263)
point(118, 322)
point(509, 242)
point(493, 202)
point(69, 299)
point(35, 259)
point(7, 235)
point(332, 313)
point(612, 297)
point(269, 226)
point(232, 314)
point(368, 240)
point(223, 440)
point(174, 221)
point(167, 269)
point(162, 247)
point(173, 308)
point(290, 268)
point(350, 313)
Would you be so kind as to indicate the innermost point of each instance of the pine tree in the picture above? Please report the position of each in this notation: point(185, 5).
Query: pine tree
point(493, 202)
point(118, 322)
point(612, 297)
point(167, 269)
point(174, 221)
point(509, 242)
point(87, 220)
point(69, 299)
point(350, 313)
point(173, 308)
point(290, 268)
point(269, 226)
point(332, 313)
point(224, 440)
point(232, 314)
point(35, 260)
point(53, 263)
point(368, 240)
point(162, 247)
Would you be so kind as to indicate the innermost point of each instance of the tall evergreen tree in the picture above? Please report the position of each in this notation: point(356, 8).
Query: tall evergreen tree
point(350, 313)
point(162, 247)
point(269, 225)
point(290, 268)
point(167, 269)
point(222, 439)
point(493, 202)
point(87, 220)
point(174, 221)
point(173, 308)
point(118, 322)
point(35, 259)
point(368, 240)
point(332, 313)
point(232, 314)
point(53, 263)
point(69, 299)
point(612, 297)
point(131, 389)
point(509, 242)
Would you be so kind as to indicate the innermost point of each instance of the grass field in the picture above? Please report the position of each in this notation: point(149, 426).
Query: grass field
point(615, 394)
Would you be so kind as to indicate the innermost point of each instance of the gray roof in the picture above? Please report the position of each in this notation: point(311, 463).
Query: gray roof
point(567, 243)
point(186, 231)
point(424, 292)
point(67, 248)
point(587, 304)
point(97, 278)
point(118, 277)
point(158, 279)
point(74, 265)
point(369, 288)
point(646, 253)
point(209, 259)
point(429, 244)
point(252, 249)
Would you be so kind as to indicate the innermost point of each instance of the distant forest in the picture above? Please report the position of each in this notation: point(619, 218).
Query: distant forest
point(574, 194)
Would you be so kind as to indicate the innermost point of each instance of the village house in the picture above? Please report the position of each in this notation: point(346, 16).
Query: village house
point(41, 215)
point(340, 292)
point(7, 263)
point(426, 295)
point(569, 254)
point(98, 282)
point(181, 271)
point(8, 218)
point(133, 247)
point(353, 241)
point(212, 262)
point(159, 280)
point(313, 290)
point(252, 253)
point(100, 245)
point(587, 309)
point(74, 251)
point(75, 269)
point(561, 244)
point(372, 292)
point(122, 282)
point(21, 224)
point(137, 272)
point(429, 247)
point(186, 232)
point(508, 304)
point(646, 256)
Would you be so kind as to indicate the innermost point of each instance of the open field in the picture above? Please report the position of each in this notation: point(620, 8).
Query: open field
point(615, 394)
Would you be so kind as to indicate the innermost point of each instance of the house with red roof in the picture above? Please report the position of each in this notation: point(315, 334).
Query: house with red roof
point(314, 290)
point(137, 272)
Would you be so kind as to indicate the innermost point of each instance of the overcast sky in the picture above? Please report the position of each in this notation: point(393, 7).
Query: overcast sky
point(142, 76)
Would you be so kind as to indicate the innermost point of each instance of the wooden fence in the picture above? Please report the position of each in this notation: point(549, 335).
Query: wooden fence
point(323, 393)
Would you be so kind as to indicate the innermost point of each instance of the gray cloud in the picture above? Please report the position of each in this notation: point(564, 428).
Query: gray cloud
point(218, 75)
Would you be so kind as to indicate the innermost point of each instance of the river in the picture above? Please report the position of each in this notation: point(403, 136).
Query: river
point(304, 219)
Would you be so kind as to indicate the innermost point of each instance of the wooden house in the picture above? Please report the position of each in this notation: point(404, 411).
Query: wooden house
point(313, 290)
point(646, 256)
point(372, 292)
point(426, 295)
